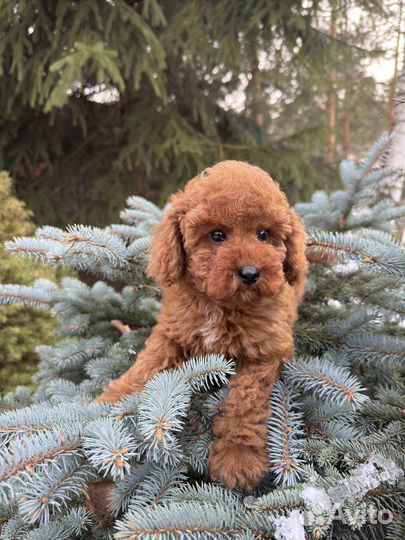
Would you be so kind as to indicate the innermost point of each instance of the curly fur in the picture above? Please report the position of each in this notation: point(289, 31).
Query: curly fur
point(207, 309)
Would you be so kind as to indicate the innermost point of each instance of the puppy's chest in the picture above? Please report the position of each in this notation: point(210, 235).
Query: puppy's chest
point(222, 333)
point(212, 329)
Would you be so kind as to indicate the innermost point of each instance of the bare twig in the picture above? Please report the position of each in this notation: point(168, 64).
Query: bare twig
point(119, 325)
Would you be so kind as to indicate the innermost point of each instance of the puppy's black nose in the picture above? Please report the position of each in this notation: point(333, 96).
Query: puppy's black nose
point(249, 274)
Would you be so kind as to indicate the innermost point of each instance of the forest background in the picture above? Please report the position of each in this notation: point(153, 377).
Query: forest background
point(103, 99)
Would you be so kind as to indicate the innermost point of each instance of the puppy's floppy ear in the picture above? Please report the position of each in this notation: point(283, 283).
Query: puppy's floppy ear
point(167, 260)
point(295, 263)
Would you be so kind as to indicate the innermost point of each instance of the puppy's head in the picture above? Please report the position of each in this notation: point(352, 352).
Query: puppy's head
point(230, 233)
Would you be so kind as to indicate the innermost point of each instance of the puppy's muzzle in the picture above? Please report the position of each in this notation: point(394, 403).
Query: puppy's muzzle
point(249, 274)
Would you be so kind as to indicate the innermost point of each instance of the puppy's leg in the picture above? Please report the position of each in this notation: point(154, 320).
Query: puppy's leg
point(160, 354)
point(239, 456)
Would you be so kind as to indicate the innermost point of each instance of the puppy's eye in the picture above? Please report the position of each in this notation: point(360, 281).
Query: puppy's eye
point(218, 236)
point(263, 236)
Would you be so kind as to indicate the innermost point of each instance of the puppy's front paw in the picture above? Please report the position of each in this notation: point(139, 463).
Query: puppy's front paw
point(110, 395)
point(116, 391)
point(238, 465)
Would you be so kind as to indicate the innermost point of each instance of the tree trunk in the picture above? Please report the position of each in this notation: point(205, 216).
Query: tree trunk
point(346, 101)
point(331, 101)
point(393, 83)
point(346, 127)
point(396, 157)
point(257, 90)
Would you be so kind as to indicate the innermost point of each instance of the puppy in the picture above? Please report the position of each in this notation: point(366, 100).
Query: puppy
point(230, 256)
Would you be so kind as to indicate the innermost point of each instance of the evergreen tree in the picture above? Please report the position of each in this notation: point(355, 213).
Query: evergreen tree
point(101, 98)
point(336, 435)
point(20, 330)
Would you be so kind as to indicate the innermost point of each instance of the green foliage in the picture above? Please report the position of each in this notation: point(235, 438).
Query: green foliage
point(336, 435)
point(100, 99)
point(20, 330)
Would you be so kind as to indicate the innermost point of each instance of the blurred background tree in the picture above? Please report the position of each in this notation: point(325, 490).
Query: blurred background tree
point(20, 330)
point(103, 98)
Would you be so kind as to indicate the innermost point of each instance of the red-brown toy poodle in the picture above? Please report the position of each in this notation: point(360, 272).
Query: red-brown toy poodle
point(230, 256)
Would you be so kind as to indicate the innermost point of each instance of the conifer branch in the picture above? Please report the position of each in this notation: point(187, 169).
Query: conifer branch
point(41, 449)
point(28, 296)
point(361, 250)
point(285, 426)
point(325, 380)
point(278, 501)
point(110, 447)
point(52, 487)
